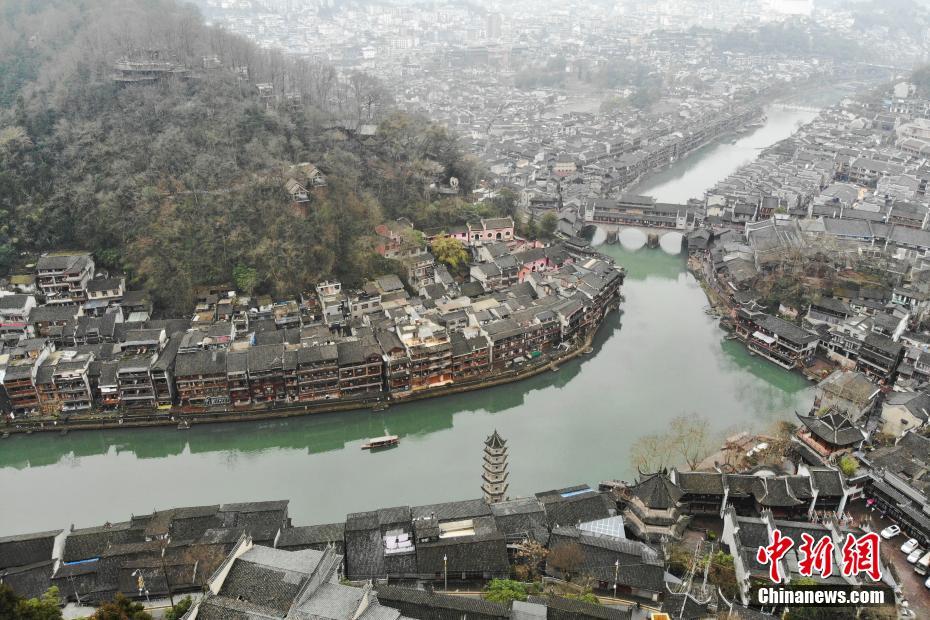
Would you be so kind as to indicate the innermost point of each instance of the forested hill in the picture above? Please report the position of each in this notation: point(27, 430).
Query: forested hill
point(179, 180)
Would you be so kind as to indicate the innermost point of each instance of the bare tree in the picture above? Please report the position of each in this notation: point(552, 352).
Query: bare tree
point(533, 554)
point(651, 452)
point(567, 558)
point(690, 438)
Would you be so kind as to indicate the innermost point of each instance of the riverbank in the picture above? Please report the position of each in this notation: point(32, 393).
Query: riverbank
point(666, 359)
point(184, 419)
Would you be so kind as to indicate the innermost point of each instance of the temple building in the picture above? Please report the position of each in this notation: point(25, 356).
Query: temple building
point(652, 508)
point(828, 436)
point(495, 469)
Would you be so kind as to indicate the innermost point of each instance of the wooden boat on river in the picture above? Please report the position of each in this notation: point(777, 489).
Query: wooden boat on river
point(387, 441)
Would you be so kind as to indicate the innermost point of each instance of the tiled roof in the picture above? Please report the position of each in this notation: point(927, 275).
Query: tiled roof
point(91, 542)
point(833, 428)
point(417, 603)
point(657, 491)
point(299, 537)
point(27, 548)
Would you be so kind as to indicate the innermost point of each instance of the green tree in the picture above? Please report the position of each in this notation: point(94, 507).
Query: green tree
point(817, 613)
point(530, 228)
point(585, 597)
point(246, 278)
point(180, 183)
point(178, 611)
point(548, 224)
point(505, 591)
point(121, 608)
point(848, 464)
point(721, 573)
point(450, 251)
point(15, 607)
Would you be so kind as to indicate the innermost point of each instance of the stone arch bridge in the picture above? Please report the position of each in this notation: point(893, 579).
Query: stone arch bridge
point(670, 240)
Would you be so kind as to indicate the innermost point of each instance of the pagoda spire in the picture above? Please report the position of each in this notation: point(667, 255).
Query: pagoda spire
point(494, 476)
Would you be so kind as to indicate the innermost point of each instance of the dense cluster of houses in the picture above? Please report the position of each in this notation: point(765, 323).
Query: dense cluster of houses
point(93, 345)
point(460, 541)
point(204, 548)
point(815, 499)
point(618, 535)
point(841, 193)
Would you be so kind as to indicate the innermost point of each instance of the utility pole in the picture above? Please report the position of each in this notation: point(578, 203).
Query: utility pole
point(167, 581)
point(445, 572)
point(616, 575)
point(77, 594)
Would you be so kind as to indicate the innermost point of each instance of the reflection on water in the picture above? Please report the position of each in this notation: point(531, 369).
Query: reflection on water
point(632, 239)
point(661, 357)
point(671, 243)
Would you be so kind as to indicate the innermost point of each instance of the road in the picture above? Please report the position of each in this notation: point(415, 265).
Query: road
point(912, 584)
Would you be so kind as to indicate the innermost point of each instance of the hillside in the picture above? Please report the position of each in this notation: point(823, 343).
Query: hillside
point(179, 179)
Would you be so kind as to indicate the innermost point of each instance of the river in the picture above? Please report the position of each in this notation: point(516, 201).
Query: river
point(690, 177)
point(662, 357)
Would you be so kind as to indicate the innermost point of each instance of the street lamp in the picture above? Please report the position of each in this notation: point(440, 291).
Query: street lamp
point(140, 583)
point(445, 572)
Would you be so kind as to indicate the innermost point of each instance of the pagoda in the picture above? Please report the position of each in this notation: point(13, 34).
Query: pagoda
point(652, 508)
point(495, 469)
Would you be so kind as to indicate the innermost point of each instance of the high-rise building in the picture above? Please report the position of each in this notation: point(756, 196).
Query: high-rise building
point(493, 26)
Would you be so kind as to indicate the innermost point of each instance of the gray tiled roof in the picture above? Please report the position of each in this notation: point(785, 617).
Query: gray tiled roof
point(269, 577)
point(27, 548)
point(306, 536)
point(91, 542)
point(422, 604)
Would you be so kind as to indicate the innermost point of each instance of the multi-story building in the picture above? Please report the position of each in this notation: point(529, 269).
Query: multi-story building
point(63, 278)
point(163, 373)
point(879, 357)
point(237, 378)
point(396, 363)
point(360, 368)
point(14, 317)
point(105, 291)
point(471, 355)
point(430, 352)
point(317, 372)
point(200, 378)
point(134, 380)
point(19, 382)
point(507, 342)
point(775, 339)
point(266, 373)
point(63, 384)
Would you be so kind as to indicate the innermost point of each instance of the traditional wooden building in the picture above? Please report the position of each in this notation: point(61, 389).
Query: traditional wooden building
point(829, 435)
point(652, 508)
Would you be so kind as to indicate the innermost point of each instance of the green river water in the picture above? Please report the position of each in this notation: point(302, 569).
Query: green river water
point(661, 357)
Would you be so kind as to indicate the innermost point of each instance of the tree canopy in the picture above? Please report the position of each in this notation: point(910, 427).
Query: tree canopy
point(15, 607)
point(121, 608)
point(179, 181)
point(505, 591)
point(450, 252)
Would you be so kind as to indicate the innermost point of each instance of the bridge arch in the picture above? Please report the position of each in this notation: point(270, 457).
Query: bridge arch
point(635, 237)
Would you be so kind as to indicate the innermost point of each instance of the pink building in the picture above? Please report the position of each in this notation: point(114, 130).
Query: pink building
point(493, 229)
